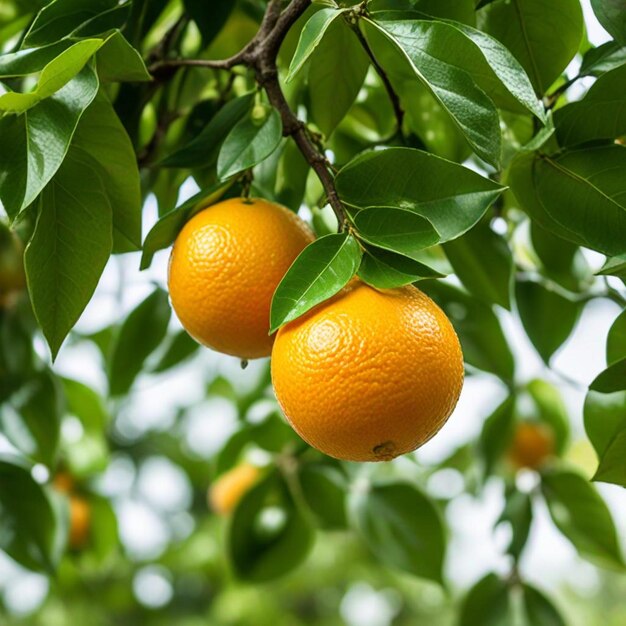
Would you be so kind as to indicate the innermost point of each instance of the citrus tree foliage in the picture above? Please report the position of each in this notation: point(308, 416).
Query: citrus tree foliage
point(426, 139)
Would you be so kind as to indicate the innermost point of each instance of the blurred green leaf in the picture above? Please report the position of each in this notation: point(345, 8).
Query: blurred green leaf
point(324, 489)
point(451, 197)
point(616, 340)
point(203, 150)
point(179, 348)
point(483, 342)
point(612, 16)
point(334, 86)
point(582, 516)
point(518, 513)
point(612, 379)
point(497, 433)
point(395, 230)
point(487, 603)
point(527, 28)
point(31, 418)
point(540, 611)
point(39, 141)
point(310, 37)
point(103, 532)
point(291, 177)
point(550, 409)
point(601, 114)
point(483, 262)
point(89, 454)
point(140, 334)
point(402, 527)
point(562, 261)
point(249, 142)
point(320, 271)
point(267, 537)
point(536, 305)
point(28, 522)
point(209, 22)
point(397, 46)
point(385, 270)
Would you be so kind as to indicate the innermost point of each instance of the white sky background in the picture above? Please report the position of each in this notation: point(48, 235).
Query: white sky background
point(156, 516)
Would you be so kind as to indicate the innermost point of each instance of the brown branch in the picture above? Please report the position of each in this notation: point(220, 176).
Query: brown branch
point(260, 55)
point(393, 96)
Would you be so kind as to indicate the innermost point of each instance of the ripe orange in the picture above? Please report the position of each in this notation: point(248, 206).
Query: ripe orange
point(228, 489)
point(225, 265)
point(80, 522)
point(532, 445)
point(369, 374)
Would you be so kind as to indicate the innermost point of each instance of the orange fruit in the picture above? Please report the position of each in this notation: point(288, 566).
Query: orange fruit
point(80, 522)
point(63, 482)
point(369, 374)
point(532, 445)
point(225, 265)
point(228, 489)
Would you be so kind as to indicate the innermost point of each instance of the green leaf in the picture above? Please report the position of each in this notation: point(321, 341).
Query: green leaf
point(31, 417)
point(118, 61)
point(28, 522)
point(62, 17)
point(386, 270)
point(31, 60)
point(101, 136)
point(537, 305)
point(483, 262)
point(402, 527)
point(550, 409)
point(482, 340)
point(333, 85)
point(582, 516)
point(40, 139)
point(70, 246)
point(249, 143)
point(165, 231)
point(54, 76)
point(561, 260)
point(604, 58)
point(203, 150)
point(267, 536)
point(398, 47)
point(209, 20)
point(89, 454)
point(544, 37)
point(180, 347)
point(495, 70)
point(140, 334)
point(601, 114)
point(612, 15)
point(497, 433)
point(103, 535)
point(291, 176)
point(614, 267)
point(319, 272)
point(451, 197)
point(396, 230)
point(518, 513)
point(612, 379)
point(310, 37)
point(324, 490)
point(487, 603)
point(616, 340)
point(540, 611)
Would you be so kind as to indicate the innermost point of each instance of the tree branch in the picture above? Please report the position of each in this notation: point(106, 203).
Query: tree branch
point(260, 55)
